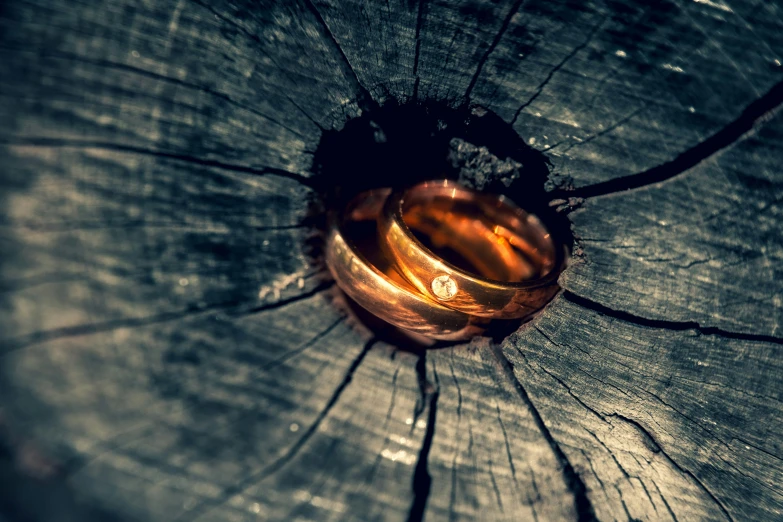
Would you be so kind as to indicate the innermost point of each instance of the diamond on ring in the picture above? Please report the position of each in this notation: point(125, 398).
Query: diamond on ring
point(444, 287)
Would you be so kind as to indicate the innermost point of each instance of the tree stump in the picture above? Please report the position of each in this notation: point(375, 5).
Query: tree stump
point(171, 346)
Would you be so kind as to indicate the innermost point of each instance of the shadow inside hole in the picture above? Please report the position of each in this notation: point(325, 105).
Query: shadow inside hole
point(400, 145)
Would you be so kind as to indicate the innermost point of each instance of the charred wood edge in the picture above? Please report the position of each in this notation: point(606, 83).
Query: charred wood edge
point(230, 308)
point(119, 147)
point(667, 325)
point(422, 480)
point(584, 508)
point(267, 471)
point(754, 115)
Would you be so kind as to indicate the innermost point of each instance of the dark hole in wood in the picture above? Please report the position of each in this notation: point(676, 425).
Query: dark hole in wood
point(401, 144)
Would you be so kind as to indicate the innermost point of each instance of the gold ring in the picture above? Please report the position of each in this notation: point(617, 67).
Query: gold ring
point(518, 259)
point(368, 278)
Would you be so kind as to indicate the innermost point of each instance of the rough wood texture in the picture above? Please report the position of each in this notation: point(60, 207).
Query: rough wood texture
point(169, 351)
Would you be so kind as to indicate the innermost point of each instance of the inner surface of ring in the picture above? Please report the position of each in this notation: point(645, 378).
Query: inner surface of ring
point(479, 233)
point(361, 231)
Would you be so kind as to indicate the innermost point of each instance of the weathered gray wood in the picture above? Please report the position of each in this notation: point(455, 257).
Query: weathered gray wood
point(705, 247)
point(170, 351)
point(660, 423)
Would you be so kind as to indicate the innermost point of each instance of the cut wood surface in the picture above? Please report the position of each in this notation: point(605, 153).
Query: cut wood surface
point(171, 351)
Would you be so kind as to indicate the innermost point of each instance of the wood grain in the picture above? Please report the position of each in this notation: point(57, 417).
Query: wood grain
point(171, 350)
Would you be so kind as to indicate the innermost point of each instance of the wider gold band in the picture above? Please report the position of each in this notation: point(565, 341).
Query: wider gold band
point(523, 276)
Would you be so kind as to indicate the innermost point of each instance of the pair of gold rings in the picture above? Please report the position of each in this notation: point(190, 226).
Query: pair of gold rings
point(442, 260)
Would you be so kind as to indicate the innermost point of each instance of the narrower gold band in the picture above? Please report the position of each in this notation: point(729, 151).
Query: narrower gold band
point(522, 260)
point(391, 298)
